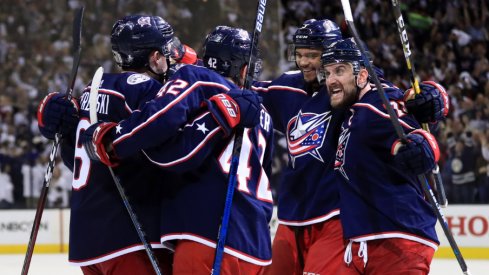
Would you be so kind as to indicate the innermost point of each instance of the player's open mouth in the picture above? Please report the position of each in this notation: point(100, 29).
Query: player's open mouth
point(334, 91)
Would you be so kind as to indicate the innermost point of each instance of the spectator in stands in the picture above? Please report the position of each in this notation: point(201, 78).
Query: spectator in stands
point(463, 172)
point(483, 188)
point(6, 188)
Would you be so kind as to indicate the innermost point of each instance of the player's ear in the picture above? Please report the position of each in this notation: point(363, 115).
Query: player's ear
point(362, 77)
point(153, 56)
point(158, 62)
point(156, 57)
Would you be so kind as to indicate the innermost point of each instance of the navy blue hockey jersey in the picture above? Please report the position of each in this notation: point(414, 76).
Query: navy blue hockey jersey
point(100, 227)
point(194, 211)
point(308, 191)
point(378, 200)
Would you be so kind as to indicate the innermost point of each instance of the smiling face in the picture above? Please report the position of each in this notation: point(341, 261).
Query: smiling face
point(341, 84)
point(308, 61)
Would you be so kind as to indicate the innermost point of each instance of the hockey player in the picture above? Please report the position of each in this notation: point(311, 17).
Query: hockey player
point(389, 225)
point(309, 238)
point(103, 239)
point(209, 102)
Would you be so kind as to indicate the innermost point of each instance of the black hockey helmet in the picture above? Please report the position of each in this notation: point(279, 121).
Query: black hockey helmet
point(226, 50)
point(135, 36)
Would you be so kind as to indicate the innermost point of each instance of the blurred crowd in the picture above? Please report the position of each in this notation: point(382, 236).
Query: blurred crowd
point(449, 41)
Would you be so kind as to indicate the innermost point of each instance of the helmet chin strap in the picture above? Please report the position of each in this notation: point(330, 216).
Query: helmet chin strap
point(162, 77)
point(312, 86)
point(238, 80)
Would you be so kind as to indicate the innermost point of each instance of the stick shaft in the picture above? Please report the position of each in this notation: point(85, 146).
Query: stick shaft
point(77, 29)
point(435, 176)
point(238, 140)
point(93, 101)
point(402, 136)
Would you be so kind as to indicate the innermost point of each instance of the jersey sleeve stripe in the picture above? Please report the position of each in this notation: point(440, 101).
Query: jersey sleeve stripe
point(382, 114)
point(188, 156)
point(169, 106)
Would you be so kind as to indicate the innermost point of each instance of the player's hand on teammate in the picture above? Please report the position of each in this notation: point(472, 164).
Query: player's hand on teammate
point(235, 108)
point(430, 105)
point(97, 140)
point(249, 104)
point(57, 114)
point(181, 53)
point(419, 155)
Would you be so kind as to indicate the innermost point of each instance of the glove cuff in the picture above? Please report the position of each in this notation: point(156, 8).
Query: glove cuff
point(409, 94)
point(443, 94)
point(395, 147)
point(104, 151)
point(189, 56)
point(431, 141)
point(40, 108)
point(225, 111)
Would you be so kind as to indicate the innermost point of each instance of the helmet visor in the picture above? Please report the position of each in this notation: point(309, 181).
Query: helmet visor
point(174, 50)
point(291, 52)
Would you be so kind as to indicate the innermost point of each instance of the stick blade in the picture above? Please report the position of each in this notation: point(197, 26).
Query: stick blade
point(92, 99)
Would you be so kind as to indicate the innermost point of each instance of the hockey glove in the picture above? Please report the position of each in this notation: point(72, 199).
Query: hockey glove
point(181, 53)
point(419, 155)
point(235, 108)
point(189, 56)
point(430, 105)
point(97, 142)
point(57, 114)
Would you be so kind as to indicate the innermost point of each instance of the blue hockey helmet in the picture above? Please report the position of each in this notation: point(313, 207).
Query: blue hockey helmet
point(314, 34)
point(344, 51)
point(134, 37)
point(226, 50)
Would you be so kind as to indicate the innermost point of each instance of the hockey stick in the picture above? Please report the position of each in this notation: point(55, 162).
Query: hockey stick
point(238, 140)
point(92, 101)
point(393, 117)
point(401, 28)
point(77, 29)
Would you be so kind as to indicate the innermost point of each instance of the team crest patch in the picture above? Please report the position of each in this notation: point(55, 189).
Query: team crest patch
point(137, 78)
point(305, 134)
point(142, 21)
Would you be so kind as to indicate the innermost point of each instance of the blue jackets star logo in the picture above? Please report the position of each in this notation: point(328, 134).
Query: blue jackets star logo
point(201, 127)
point(305, 134)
